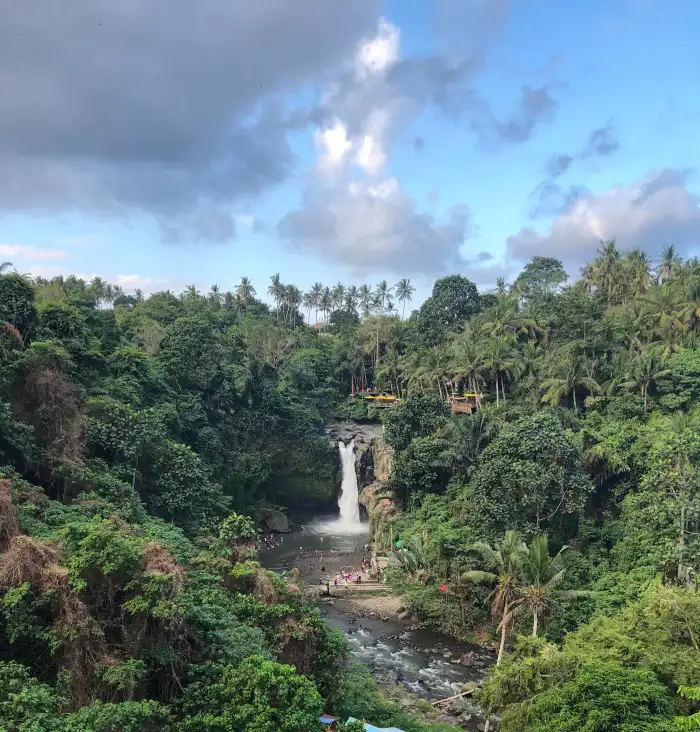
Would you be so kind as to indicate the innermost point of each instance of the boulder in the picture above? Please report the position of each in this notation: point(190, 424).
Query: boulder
point(404, 615)
point(274, 520)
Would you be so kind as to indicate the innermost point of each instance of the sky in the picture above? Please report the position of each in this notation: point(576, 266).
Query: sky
point(165, 143)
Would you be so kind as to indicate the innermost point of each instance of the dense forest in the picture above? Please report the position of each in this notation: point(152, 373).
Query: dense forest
point(140, 437)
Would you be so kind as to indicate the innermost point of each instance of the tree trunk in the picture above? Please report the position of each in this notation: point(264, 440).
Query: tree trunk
point(497, 400)
point(504, 633)
point(574, 393)
point(535, 619)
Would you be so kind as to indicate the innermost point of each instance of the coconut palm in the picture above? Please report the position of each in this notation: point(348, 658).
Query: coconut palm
point(191, 292)
point(292, 299)
point(4, 266)
point(541, 575)
point(670, 262)
point(664, 308)
point(245, 291)
point(639, 269)
point(325, 303)
point(308, 301)
point(364, 299)
point(316, 291)
point(138, 295)
point(215, 295)
point(338, 295)
point(501, 288)
point(276, 291)
point(404, 293)
point(645, 369)
point(500, 361)
point(607, 269)
point(382, 292)
point(501, 569)
point(467, 362)
point(566, 377)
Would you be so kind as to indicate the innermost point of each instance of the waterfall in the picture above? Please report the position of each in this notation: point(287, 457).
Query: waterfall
point(349, 521)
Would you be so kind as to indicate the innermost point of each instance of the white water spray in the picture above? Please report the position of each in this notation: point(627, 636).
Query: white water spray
point(349, 521)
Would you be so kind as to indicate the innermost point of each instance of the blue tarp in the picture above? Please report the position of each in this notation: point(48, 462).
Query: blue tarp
point(370, 728)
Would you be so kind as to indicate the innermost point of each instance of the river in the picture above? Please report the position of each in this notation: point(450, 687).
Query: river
point(394, 650)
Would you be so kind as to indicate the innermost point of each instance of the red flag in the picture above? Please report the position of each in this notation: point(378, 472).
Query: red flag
point(444, 588)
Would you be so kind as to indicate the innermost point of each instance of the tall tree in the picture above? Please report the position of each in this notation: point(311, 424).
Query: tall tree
point(404, 293)
point(245, 291)
point(501, 569)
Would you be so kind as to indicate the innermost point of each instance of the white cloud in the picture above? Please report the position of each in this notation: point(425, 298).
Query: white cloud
point(376, 55)
point(355, 212)
point(651, 213)
point(22, 252)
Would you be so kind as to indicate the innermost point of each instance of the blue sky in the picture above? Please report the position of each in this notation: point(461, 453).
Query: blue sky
point(138, 161)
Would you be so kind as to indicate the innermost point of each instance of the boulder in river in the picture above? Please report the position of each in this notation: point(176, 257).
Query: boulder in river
point(273, 519)
point(404, 615)
point(470, 659)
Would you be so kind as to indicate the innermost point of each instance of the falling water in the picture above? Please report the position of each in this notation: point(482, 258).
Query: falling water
point(349, 521)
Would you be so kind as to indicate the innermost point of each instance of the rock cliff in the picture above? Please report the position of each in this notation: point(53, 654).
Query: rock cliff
point(374, 461)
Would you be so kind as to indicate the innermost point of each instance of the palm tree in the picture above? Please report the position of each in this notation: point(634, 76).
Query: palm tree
point(191, 291)
point(308, 301)
point(541, 576)
point(566, 377)
point(245, 291)
point(337, 295)
point(404, 293)
point(468, 362)
point(670, 261)
point(138, 294)
point(501, 567)
point(276, 291)
point(316, 292)
point(663, 305)
point(432, 370)
point(325, 303)
point(607, 268)
point(645, 369)
point(501, 288)
point(215, 295)
point(364, 299)
point(382, 292)
point(500, 361)
point(639, 268)
point(4, 266)
point(293, 298)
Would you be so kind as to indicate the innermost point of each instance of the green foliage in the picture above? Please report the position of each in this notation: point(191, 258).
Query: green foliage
point(454, 300)
point(529, 478)
point(600, 698)
point(258, 696)
point(418, 416)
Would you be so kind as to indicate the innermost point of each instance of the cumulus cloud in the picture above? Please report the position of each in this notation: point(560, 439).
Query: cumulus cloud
point(378, 227)
point(352, 210)
point(23, 252)
point(651, 213)
point(166, 107)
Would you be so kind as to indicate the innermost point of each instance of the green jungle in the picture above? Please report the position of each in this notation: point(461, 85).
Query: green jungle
point(559, 523)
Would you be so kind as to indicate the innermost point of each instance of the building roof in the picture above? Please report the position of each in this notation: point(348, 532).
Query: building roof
point(328, 719)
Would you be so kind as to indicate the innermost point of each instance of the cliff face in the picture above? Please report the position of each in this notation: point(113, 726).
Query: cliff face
point(373, 463)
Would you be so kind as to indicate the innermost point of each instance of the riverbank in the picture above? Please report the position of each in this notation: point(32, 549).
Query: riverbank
point(414, 666)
